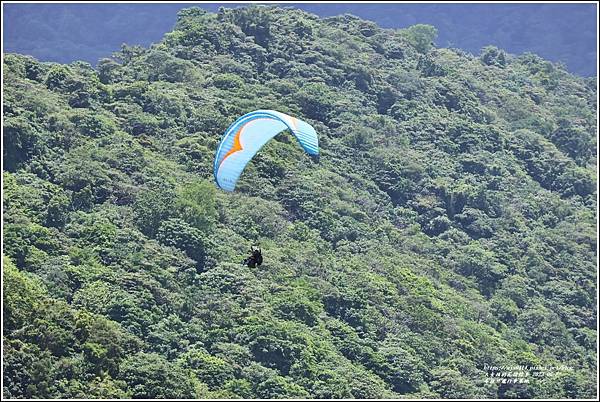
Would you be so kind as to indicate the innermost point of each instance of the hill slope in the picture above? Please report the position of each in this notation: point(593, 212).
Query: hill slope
point(448, 227)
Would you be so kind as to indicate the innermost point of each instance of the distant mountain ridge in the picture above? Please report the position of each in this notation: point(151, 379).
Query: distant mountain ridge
point(557, 32)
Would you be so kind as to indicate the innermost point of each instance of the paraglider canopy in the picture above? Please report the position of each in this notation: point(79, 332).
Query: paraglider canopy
point(246, 136)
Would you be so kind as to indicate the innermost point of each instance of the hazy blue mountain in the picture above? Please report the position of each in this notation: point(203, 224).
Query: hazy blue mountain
point(66, 32)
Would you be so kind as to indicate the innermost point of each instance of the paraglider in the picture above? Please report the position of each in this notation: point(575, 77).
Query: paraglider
point(255, 258)
point(246, 136)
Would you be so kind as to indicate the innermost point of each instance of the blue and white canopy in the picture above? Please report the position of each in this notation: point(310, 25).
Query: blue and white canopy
point(247, 135)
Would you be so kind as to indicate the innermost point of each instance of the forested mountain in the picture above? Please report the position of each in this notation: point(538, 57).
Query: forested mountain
point(449, 226)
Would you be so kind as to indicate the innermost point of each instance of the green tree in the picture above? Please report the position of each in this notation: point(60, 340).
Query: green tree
point(150, 376)
point(196, 204)
point(421, 36)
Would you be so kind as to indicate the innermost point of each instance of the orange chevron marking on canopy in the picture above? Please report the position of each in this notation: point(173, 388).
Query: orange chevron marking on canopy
point(237, 145)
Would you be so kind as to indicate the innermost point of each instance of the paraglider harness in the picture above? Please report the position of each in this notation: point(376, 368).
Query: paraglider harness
point(255, 258)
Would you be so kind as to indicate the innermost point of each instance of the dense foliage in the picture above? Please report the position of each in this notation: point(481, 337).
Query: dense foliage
point(448, 227)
